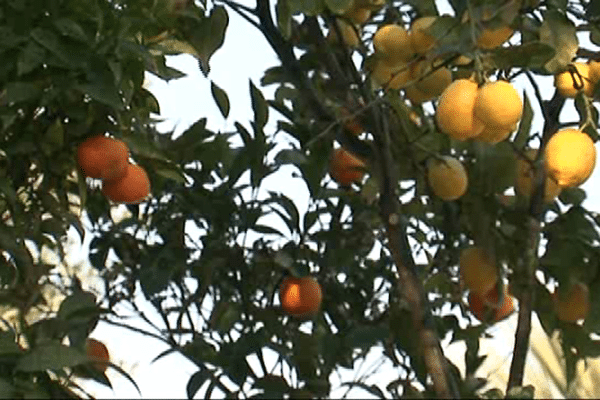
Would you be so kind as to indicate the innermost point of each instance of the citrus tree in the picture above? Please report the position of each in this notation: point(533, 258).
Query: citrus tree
point(412, 134)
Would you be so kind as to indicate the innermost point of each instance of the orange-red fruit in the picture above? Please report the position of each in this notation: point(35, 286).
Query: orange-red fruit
point(345, 168)
point(102, 157)
point(574, 305)
point(487, 307)
point(133, 187)
point(97, 351)
point(300, 297)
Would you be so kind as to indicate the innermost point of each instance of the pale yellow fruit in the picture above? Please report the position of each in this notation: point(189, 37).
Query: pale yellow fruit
point(495, 134)
point(447, 177)
point(574, 305)
point(570, 157)
point(524, 179)
point(358, 15)
point(393, 43)
point(382, 73)
point(594, 71)
point(462, 60)
point(399, 78)
point(491, 38)
point(349, 32)
point(477, 269)
point(431, 79)
point(420, 40)
point(498, 105)
point(569, 82)
point(454, 114)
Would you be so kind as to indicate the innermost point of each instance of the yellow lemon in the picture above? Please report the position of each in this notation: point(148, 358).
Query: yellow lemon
point(477, 269)
point(447, 178)
point(570, 157)
point(420, 40)
point(491, 38)
point(393, 43)
point(495, 134)
point(524, 179)
point(570, 82)
point(498, 105)
point(454, 114)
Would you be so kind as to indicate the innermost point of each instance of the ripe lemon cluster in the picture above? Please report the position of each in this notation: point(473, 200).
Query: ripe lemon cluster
point(399, 63)
point(479, 274)
point(489, 113)
point(577, 77)
point(300, 297)
point(105, 158)
point(350, 23)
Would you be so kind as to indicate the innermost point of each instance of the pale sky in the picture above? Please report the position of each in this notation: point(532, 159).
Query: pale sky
point(245, 55)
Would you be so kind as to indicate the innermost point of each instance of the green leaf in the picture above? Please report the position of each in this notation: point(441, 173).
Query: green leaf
point(70, 28)
point(260, 107)
point(284, 18)
point(221, 99)
point(51, 356)
point(522, 135)
point(534, 55)
point(574, 196)
point(196, 381)
point(339, 6)
point(560, 33)
point(208, 36)
point(70, 55)
point(21, 91)
point(31, 57)
point(308, 7)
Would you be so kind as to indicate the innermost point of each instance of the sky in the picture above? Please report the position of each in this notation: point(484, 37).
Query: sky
point(245, 55)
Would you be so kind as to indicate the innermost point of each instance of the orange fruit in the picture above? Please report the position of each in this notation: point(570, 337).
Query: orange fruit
point(491, 38)
point(300, 297)
point(133, 187)
point(570, 157)
point(486, 307)
point(477, 269)
point(570, 82)
point(393, 43)
point(420, 40)
point(573, 305)
point(97, 351)
point(101, 157)
point(447, 177)
point(454, 114)
point(345, 168)
point(498, 105)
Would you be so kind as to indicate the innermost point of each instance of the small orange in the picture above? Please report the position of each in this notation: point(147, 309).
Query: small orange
point(574, 305)
point(487, 307)
point(133, 187)
point(300, 297)
point(101, 157)
point(97, 351)
point(345, 168)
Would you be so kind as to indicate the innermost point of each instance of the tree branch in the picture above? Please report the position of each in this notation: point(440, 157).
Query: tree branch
point(395, 223)
point(551, 110)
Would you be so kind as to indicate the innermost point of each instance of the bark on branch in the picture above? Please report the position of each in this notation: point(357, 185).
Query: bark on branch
point(551, 110)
